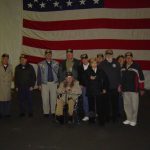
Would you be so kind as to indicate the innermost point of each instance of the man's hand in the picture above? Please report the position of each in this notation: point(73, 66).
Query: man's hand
point(92, 77)
point(31, 89)
point(68, 89)
point(119, 88)
point(142, 92)
point(104, 91)
point(39, 87)
point(16, 89)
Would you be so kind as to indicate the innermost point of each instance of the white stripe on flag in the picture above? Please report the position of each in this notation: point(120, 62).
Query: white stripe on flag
point(128, 34)
point(61, 54)
point(88, 14)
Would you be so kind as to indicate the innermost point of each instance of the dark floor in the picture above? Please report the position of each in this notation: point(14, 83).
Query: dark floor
point(40, 133)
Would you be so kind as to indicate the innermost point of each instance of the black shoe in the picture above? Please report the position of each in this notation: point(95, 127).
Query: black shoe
point(30, 115)
point(60, 119)
point(70, 119)
point(107, 119)
point(92, 120)
point(7, 116)
point(114, 120)
point(46, 115)
point(52, 116)
point(22, 114)
point(101, 123)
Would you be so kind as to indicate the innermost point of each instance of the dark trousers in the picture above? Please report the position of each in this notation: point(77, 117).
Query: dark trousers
point(120, 106)
point(5, 108)
point(24, 96)
point(98, 105)
point(113, 97)
point(85, 102)
point(102, 105)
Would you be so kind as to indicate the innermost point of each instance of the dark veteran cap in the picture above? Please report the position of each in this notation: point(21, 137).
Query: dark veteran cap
point(100, 55)
point(128, 54)
point(109, 52)
point(48, 51)
point(69, 74)
point(84, 56)
point(5, 55)
point(69, 50)
point(23, 56)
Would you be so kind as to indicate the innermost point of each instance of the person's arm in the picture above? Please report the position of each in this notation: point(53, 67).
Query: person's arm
point(141, 80)
point(105, 84)
point(76, 89)
point(33, 77)
point(60, 89)
point(16, 78)
point(39, 76)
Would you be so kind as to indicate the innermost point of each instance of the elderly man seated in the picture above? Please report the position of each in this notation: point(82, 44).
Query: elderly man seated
point(68, 93)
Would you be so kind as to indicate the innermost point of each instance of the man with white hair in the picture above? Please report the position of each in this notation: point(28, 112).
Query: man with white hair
point(6, 75)
point(47, 80)
point(112, 69)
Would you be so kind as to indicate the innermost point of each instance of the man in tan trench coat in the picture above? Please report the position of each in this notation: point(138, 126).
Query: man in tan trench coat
point(6, 75)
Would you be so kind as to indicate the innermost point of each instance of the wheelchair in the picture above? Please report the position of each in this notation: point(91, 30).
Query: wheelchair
point(77, 113)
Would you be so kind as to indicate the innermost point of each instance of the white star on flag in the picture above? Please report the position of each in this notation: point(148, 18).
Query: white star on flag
point(69, 3)
point(42, 5)
point(96, 1)
point(56, 4)
point(30, 5)
point(82, 2)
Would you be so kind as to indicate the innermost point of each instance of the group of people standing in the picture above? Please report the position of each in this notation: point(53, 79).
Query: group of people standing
point(108, 86)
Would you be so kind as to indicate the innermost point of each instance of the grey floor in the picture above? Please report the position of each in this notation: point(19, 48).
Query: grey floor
point(40, 133)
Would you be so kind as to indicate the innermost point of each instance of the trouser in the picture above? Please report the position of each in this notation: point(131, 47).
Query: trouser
point(24, 95)
point(60, 106)
point(102, 107)
point(120, 105)
point(98, 105)
point(92, 105)
point(131, 103)
point(113, 97)
point(49, 97)
point(5, 108)
point(85, 102)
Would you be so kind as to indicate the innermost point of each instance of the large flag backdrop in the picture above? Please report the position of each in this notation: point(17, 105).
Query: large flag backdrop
point(87, 26)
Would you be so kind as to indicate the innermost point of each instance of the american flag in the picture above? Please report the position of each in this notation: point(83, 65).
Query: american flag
point(87, 26)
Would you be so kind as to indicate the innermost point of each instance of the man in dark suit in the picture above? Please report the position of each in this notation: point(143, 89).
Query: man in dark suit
point(112, 69)
point(25, 79)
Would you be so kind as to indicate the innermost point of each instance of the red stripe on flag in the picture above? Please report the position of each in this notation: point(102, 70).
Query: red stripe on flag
point(88, 24)
point(88, 44)
point(145, 65)
point(126, 4)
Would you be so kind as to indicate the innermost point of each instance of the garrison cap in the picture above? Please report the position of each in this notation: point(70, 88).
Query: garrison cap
point(5, 55)
point(69, 74)
point(109, 52)
point(69, 50)
point(84, 56)
point(48, 51)
point(128, 54)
